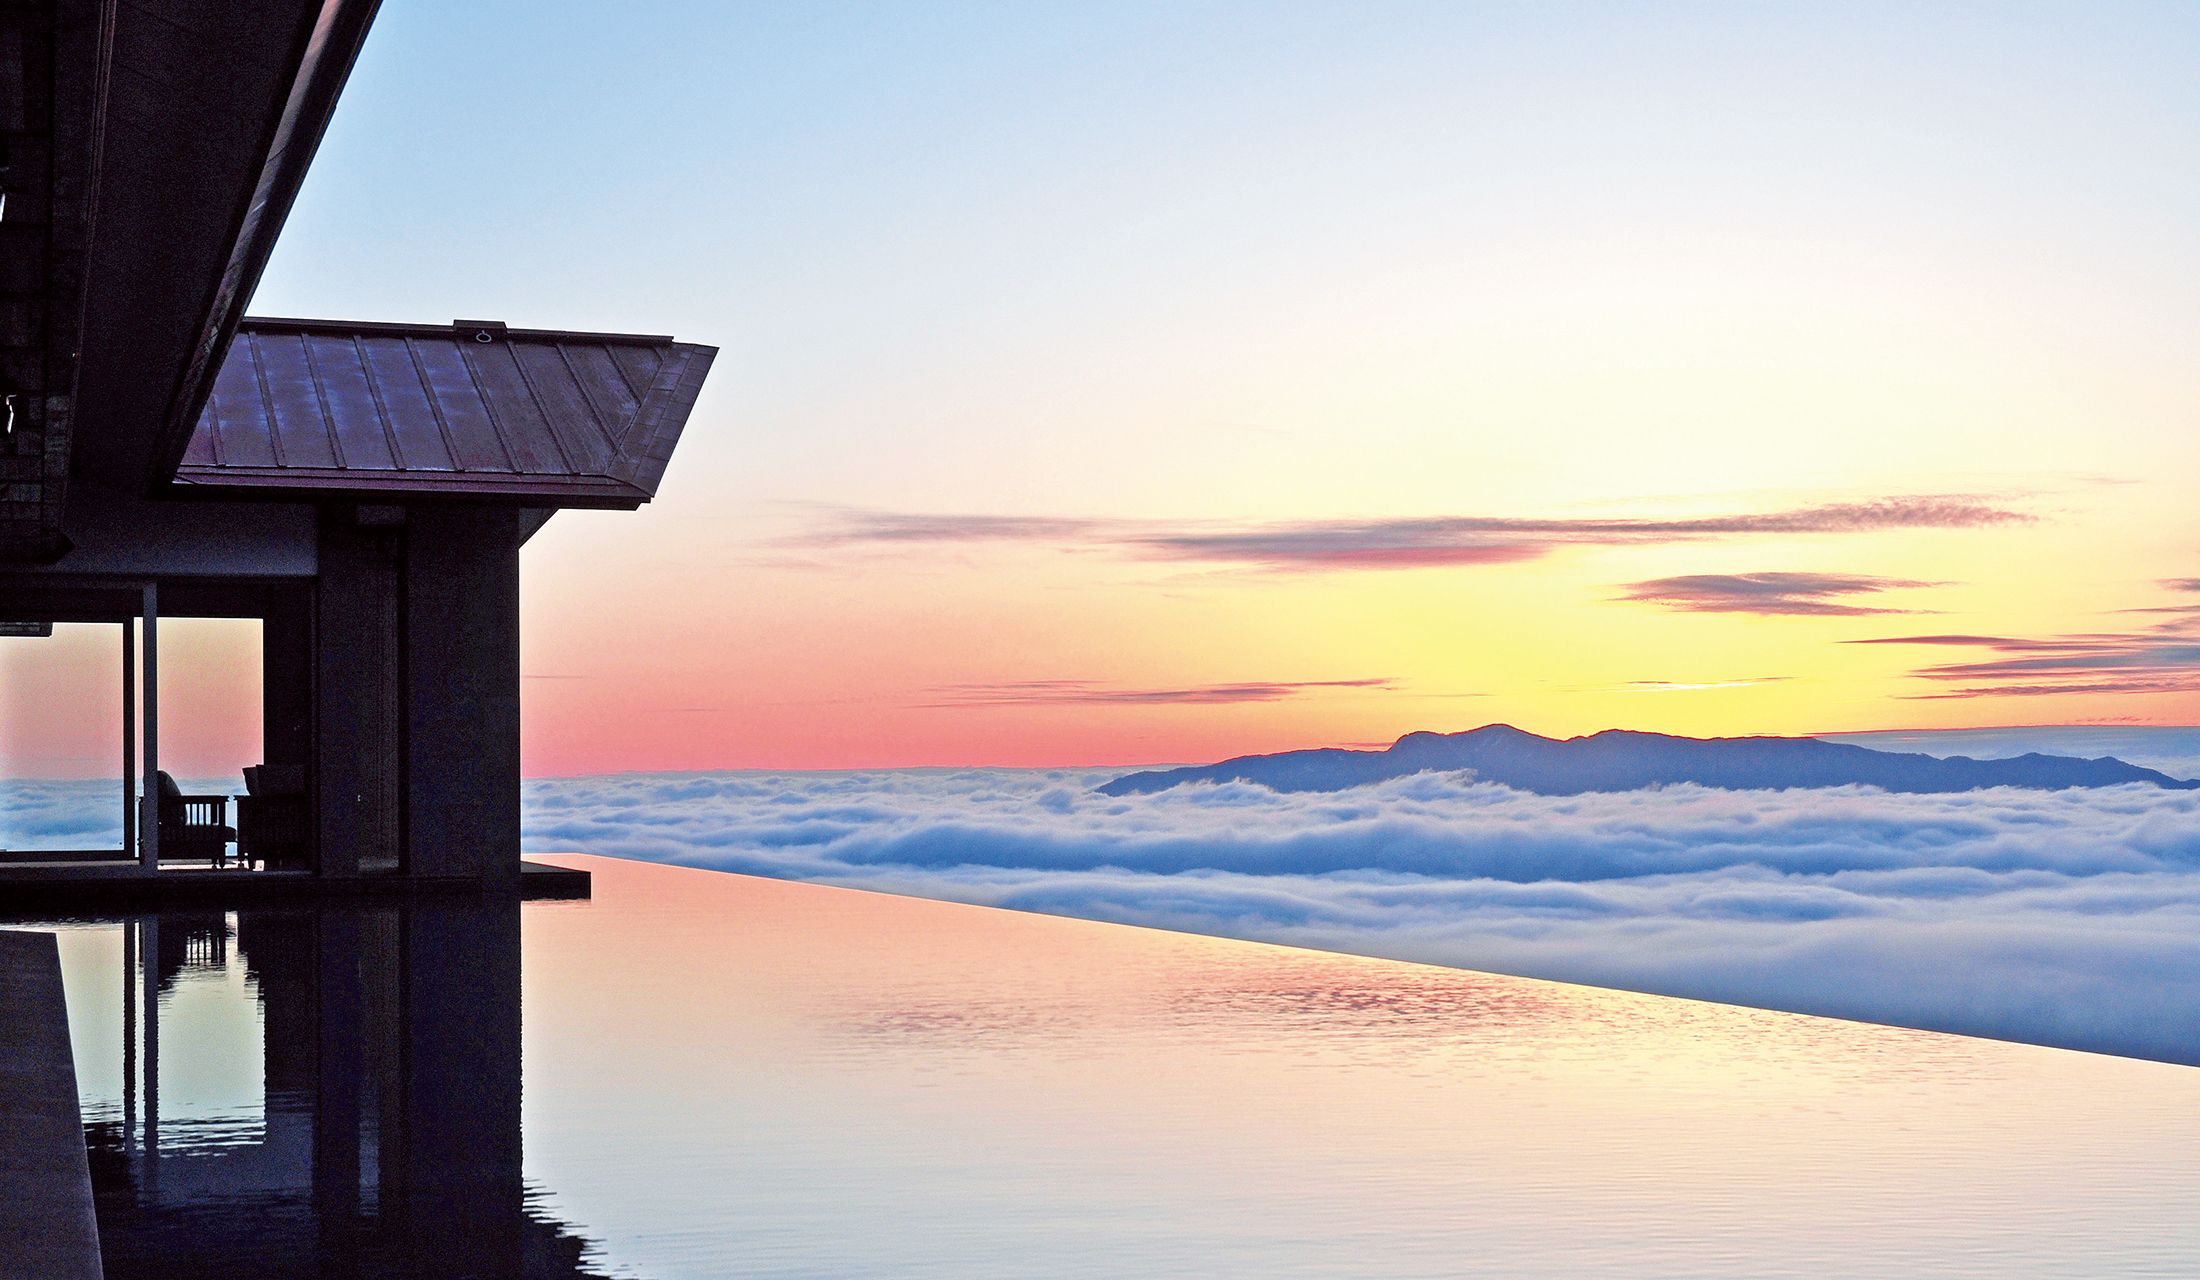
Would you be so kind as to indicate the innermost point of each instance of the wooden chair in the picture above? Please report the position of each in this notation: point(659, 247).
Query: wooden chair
point(193, 826)
point(271, 816)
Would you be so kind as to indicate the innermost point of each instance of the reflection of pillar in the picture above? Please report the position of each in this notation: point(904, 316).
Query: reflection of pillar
point(391, 1041)
point(458, 1186)
point(337, 1077)
point(149, 968)
point(129, 1031)
point(382, 1049)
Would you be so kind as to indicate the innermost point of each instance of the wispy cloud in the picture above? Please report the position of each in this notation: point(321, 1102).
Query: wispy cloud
point(2143, 684)
point(1693, 686)
point(1308, 546)
point(1775, 594)
point(2164, 658)
point(2182, 608)
point(849, 526)
point(1034, 693)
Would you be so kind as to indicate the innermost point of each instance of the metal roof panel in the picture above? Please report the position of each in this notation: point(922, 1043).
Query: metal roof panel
point(402, 399)
point(237, 414)
point(583, 439)
point(523, 429)
point(547, 417)
point(475, 444)
point(347, 401)
point(292, 401)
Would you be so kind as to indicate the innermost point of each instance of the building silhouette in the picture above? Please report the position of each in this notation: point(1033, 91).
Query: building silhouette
point(361, 490)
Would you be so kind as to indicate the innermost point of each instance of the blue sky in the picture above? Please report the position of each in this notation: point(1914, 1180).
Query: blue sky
point(1268, 266)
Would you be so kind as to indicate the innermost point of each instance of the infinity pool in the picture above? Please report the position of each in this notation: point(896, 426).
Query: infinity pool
point(699, 1074)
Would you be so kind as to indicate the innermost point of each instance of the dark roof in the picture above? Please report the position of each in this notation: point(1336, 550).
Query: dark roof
point(152, 153)
point(469, 409)
point(210, 116)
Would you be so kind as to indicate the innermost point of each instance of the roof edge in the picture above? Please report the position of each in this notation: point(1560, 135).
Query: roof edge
point(294, 324)
point(308, 483)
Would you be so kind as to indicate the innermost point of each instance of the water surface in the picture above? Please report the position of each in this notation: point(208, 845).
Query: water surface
point(698, 1074)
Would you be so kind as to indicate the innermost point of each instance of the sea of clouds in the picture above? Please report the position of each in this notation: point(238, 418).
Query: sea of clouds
point(2068, 918)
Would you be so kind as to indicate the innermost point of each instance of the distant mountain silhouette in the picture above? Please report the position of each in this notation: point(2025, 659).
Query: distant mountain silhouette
point(1623, 760)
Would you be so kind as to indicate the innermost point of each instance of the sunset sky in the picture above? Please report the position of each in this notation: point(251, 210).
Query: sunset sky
point(1137, 383)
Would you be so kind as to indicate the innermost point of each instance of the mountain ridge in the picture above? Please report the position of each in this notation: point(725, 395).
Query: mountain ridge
point(1630, 759)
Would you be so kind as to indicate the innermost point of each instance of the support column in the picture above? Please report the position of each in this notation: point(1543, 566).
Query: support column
point(355, 720)
point(461, 672)
point(149, 806)
point(286, 702)
point(286, 678)
point(129, 739)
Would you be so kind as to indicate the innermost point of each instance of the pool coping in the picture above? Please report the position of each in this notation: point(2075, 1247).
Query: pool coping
point(48, 1227)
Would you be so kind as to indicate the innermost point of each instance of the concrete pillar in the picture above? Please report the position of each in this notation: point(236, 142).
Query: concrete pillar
point(130, 807)
point(286, 677)
point(357, 730)
point(148, 829)
point(415, 692)
point(461, 693)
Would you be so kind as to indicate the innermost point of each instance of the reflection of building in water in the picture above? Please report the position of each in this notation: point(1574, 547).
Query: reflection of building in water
point(390, 1139)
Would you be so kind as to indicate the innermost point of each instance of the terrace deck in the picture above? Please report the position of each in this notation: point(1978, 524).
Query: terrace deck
point(70, 885)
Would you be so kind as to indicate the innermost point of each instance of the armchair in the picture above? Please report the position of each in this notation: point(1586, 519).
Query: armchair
point(193, 826)
point(271, 816)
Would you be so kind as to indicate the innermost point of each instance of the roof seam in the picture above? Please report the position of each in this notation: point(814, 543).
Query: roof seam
point(534, 393)
point(214, 426)
point(320, 397)
point(640, 394)
point(595, 410)
point(381, 410)
point(496, 428)
point(435, 407)
point(267, 403)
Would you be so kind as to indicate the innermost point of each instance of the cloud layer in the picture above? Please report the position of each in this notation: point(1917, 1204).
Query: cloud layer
point(1795, 594)
point(1039, 693)
point(1402, 543)
point(2068, 918)
point(2163, 658)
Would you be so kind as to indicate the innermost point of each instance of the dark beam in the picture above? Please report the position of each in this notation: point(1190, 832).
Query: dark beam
point(211, 115)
